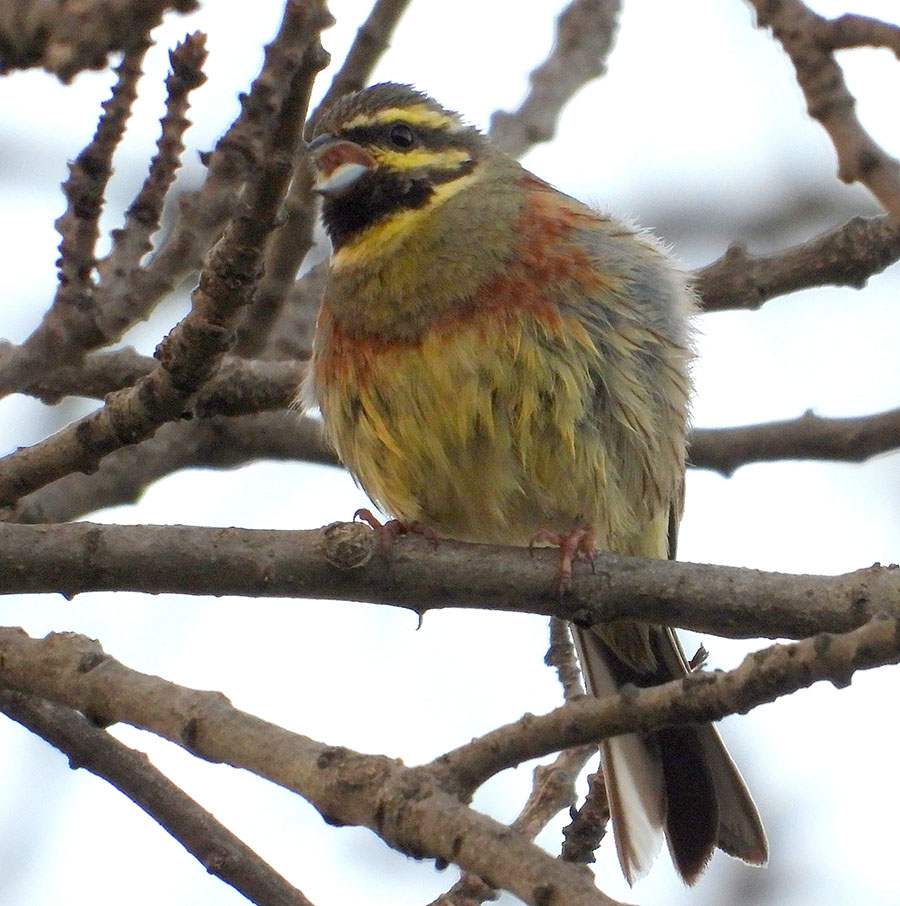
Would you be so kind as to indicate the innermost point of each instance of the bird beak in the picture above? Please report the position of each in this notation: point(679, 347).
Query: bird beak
point(338, 164)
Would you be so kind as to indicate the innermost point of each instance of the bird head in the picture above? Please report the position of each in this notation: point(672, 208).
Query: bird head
point(385, 150)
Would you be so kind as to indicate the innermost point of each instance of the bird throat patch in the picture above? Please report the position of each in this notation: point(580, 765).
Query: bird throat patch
point(383, 207)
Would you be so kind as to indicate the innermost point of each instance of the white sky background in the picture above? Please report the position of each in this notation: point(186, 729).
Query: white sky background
point(699, 111)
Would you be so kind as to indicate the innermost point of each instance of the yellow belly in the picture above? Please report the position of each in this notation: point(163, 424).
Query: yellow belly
point(489, 430)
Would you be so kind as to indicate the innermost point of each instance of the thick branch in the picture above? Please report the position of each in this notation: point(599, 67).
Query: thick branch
point(404, 806)
point(345, 561)
point(808, 437)
point(417, 810)
point(218, 850)
point(845, 256)
point(585, 32)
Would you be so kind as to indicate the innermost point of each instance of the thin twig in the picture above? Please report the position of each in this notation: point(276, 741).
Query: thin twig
point(115, 303)
point(203, 213)
point(218, 850)
point(561, 656)
point(69, 324)
point(587, 829)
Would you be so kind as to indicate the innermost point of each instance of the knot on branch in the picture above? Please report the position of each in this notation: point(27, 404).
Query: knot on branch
point(348, 545)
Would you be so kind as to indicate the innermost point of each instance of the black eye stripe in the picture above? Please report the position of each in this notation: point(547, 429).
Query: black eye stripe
point(425, 136)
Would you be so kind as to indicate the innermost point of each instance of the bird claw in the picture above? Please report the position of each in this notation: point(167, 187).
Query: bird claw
point(577, 543)
point(389, 531)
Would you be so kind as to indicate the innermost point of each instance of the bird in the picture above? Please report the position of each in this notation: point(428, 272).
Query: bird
point(500, 363)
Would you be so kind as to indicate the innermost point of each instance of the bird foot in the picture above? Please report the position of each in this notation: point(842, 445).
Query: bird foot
point(579, 543)
point(389, 531)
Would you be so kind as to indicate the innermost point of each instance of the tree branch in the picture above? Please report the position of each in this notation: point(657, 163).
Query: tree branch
point(701, 697)
point(417, 810)
point(115, 304)
point(69, 325)
point(203, 213)
point(68, 38)
point(218, 850)
point(808, 437)
point(845, 256)
point(585, 32)
point(372, 40)
point(214, 443)
point(345, 561)
point(404, 806)
point(849, 31)
point(193, 350)
point(809, 39)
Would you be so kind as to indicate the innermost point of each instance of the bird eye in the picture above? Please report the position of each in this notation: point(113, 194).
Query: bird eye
point(402, 136)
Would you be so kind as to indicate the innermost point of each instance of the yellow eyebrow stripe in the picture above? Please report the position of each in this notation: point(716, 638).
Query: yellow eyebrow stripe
point(449, 159)
point(375, 240)
point(416, 115)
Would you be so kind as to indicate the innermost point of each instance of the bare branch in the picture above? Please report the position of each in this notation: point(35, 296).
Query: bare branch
point(66, 38)
point(700, 697)
point(286, 251)
point(293, 236)
point(585, 31)
point(372, 40)
point(808, 40)
point(553, 787)
point(238, 387)
point(404, 806)
point(192, 351)
point(116, 272)
point(553, 790)
point(202, 214)
point(218, 850)
point(808, 437)
point(588, 826)
point(96, 376)
point(69, 324)
point(561, 656)
point(417, 809)
point(845, 256)
point(344, 561)
point(218, 443)
point(850, 31)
